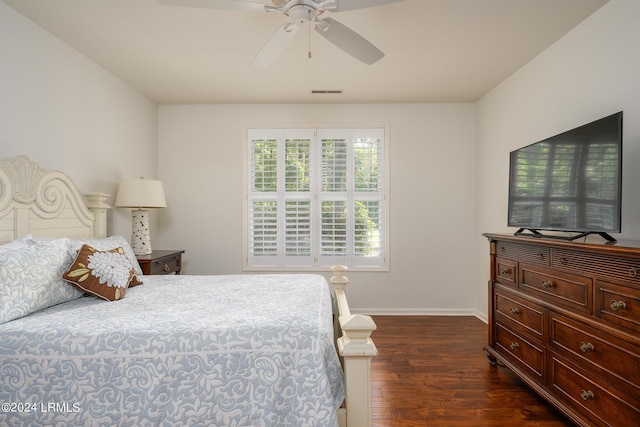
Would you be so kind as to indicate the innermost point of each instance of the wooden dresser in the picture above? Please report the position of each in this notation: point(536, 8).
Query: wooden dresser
point(565, 317)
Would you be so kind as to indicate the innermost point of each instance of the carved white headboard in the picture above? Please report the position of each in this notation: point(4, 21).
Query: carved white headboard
point(46, 203)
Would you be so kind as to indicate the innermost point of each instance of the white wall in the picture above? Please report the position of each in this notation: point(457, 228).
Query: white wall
point(432, 195)
point(590, 73)
point(65, 112)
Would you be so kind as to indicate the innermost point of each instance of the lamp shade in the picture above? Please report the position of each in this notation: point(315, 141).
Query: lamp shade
point(141, 193)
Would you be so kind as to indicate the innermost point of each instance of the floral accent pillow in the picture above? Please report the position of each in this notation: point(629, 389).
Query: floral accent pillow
point(105, 274)
point(107, 243)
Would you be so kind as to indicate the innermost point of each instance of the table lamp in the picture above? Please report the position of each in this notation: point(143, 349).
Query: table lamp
point(140, 195)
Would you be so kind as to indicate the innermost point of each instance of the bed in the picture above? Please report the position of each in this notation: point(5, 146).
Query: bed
point(241, 350)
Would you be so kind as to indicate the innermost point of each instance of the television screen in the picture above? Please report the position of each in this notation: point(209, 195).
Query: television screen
point(569, 182)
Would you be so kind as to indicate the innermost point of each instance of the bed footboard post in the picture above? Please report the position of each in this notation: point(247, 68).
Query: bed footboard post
point(356, 348)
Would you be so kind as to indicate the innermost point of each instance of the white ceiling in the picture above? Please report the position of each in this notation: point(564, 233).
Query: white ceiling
point(436, 50)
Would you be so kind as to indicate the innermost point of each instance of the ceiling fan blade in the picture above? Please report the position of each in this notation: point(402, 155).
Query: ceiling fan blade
point(220, 4)
point(349, 41)
point(274, 47)
point(344, 5)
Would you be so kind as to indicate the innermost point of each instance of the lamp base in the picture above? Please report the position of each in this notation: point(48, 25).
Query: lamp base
point(140, 237)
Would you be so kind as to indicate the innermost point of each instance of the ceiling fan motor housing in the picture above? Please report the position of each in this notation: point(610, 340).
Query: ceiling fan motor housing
point(301, 14)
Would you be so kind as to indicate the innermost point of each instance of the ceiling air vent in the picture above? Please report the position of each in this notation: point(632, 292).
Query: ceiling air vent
point(336, 91)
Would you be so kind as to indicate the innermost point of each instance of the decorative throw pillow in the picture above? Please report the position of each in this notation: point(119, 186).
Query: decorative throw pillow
point(31, 278)
point(107, 243)
point(105, 274)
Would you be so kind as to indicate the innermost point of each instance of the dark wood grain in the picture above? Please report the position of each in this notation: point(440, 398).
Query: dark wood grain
point(433, 371)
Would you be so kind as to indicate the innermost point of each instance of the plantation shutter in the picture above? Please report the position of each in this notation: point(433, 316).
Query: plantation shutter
point(352, 196)
point(297, 197)
point(264, 201)
point(315, 197)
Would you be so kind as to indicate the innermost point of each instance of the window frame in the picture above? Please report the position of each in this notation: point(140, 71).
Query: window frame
point(315, 262)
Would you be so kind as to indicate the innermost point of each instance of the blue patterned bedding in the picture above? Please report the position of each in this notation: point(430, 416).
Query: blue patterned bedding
point(246, 350)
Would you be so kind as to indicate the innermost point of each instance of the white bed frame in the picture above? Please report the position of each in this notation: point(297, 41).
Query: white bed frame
point(47, 203)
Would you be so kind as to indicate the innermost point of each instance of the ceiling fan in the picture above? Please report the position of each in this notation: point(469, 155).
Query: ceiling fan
point(301, 12)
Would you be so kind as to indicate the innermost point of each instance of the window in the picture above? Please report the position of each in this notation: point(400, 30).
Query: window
point(316, 198)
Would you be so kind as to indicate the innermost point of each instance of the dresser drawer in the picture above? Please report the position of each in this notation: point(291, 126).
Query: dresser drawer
point(526, 253)
point(604, 353)
point(523, 352)
point(520, 314)
point(618, 304)
point(619, 268)
point(161, 262)
point(165, 265)
point(602, 404)
point(568, 290)
point(507, 272)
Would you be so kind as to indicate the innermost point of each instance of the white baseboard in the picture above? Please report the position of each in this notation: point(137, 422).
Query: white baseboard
point(482, 317)
point(421, 312)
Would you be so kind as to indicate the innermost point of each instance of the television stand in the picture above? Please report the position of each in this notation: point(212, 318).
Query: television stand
point(532, 232)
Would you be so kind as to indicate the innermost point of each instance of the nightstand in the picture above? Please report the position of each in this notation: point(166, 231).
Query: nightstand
point(161, 262)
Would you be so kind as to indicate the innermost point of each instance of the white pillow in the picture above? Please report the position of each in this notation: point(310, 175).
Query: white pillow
point(20, 242)
point(31, 278)
point(106, 244)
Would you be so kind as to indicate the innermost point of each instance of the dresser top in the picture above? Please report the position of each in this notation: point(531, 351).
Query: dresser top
point(629, 248)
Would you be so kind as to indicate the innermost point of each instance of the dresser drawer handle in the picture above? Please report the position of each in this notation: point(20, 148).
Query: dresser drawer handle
point(505, 271)
point(540, 256)
point(166, 268)
point(618, 305)
point(514, 345)
point(587, 394)
point(547, 284)
point(633, 272)
point(586, 346)
point(515, 311)
point(563, 260)
point(502, 249)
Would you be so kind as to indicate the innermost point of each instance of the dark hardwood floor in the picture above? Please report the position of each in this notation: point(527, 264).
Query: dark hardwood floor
point(433, 371)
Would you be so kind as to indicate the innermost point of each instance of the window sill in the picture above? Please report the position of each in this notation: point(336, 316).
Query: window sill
point(310, 269)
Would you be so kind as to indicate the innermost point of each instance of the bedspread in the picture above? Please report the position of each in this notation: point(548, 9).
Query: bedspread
point(244, 350)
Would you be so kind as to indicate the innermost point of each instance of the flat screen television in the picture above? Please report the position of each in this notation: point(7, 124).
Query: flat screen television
point(570, 182)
